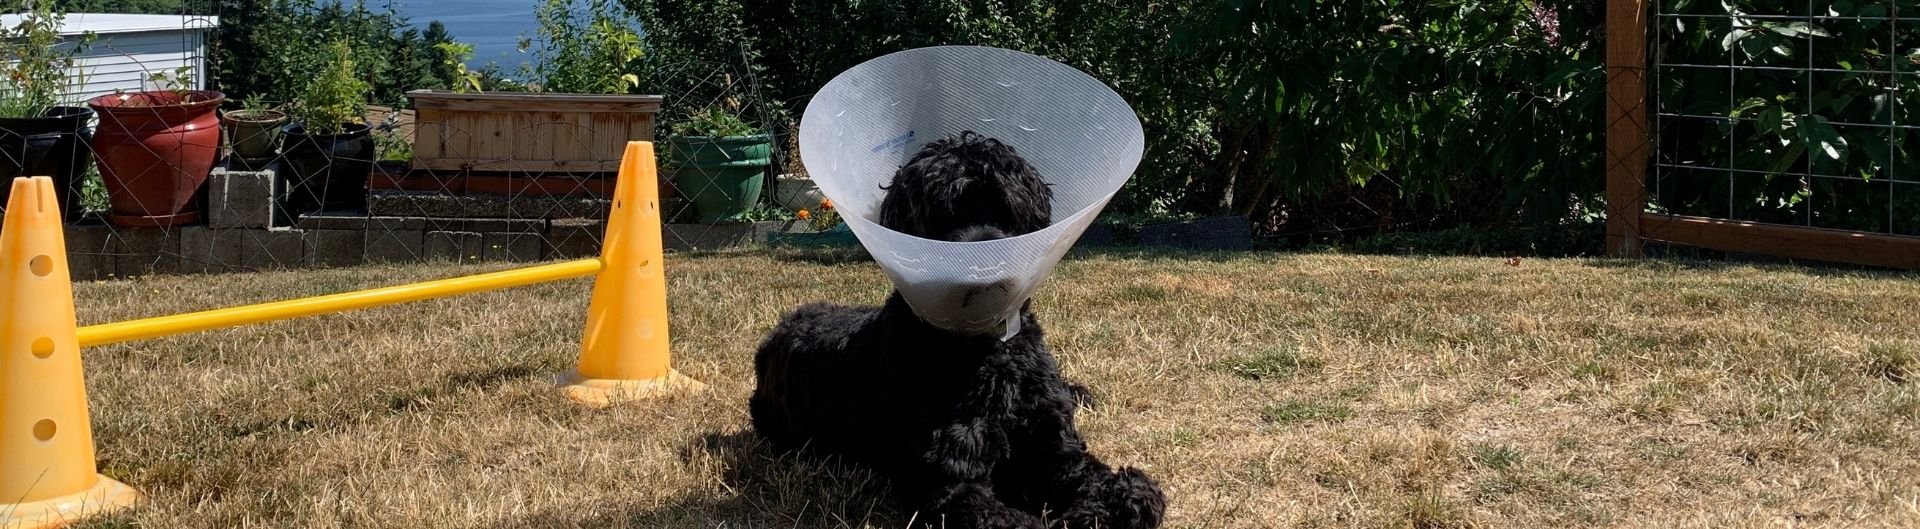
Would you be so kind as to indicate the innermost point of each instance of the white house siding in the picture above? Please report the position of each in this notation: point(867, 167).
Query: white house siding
point(123, 61)
point(127, 48)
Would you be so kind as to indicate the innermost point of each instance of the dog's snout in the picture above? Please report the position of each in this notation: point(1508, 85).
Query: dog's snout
point(994, 292)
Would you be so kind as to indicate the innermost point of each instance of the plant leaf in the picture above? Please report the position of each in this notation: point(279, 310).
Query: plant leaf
point(1733, 39)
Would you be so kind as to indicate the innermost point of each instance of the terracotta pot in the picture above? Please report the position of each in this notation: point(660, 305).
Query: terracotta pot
point(154, 151)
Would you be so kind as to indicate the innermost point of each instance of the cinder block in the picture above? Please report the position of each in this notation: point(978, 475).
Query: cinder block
point(505, 225)
point(262, 249)
point(455, 246)
point(240, 199)
point(397, 223)
point(396, 245)
point(333, 220)
point(143, 251)
point(87, 259)
point(573, 238)
point(692, 237)
point(331, 248)
point(483, 225)
point(442, 205)
point(512, 246)
point(203, 251)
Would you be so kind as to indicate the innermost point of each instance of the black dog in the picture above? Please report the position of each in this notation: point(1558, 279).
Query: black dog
point(974, 431)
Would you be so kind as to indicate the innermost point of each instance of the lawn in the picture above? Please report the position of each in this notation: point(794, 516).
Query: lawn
point(1266, 390)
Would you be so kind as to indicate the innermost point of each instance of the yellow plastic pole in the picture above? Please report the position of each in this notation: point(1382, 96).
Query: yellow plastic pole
point(623, 351)
point(48, 476)
point(109, 333)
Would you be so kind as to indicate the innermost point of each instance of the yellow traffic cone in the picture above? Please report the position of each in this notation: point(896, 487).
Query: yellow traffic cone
point(47, 469)
point(623, 354)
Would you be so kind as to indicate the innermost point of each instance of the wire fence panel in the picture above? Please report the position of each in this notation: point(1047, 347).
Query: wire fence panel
point(1780, 128)
point(1786, 113)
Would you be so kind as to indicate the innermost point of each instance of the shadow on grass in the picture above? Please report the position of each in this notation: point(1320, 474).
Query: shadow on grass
point(762, 488)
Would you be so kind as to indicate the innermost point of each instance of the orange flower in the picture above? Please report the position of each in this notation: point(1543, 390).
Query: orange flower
point(826, 203)
point(803, 214)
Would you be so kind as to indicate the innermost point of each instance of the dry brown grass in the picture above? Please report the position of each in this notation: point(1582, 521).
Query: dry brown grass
point(1272, 390)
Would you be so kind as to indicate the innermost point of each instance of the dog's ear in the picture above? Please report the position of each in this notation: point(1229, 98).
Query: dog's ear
point(900, 209)
point(1028, 197)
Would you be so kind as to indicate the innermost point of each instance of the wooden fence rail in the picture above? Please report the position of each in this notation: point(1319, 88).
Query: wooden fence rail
point(1629, 144)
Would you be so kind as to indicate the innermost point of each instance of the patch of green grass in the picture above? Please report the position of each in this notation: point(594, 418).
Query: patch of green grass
point(1272, 365)
point(1891, 362)
point(1592, 369)
point(1355, 392)
point(1431, 510)
point(1184, 438)
point(1297, 411)
point(1496, 457)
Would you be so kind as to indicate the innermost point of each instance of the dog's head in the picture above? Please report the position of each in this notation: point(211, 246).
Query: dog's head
point(966, 188)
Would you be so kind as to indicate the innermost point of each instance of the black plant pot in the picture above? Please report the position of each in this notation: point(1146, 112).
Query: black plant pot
point(56, 146)
point(325, 172)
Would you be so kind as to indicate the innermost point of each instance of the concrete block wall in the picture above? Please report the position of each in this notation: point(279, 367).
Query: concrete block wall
point(244, 232)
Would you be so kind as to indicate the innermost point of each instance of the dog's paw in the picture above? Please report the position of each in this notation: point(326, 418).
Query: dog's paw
point(1082, 395)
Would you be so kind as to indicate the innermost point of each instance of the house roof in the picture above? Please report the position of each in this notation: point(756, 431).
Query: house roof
point(103, 23)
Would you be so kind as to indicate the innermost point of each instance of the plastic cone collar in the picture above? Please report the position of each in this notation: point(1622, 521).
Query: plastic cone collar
point(1078, 134)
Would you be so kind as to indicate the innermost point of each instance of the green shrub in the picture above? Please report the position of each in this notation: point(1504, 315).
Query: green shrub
point(35, 77)
point(713, 121)
point(1258, 108)
point(335, 97)
point(274, 47)
point(584, 46)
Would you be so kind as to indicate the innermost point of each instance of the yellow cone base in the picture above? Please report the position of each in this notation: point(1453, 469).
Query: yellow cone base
point(601, 392)
point(107, 495)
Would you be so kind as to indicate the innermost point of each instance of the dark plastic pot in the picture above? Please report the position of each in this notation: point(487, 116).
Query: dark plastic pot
point(722, 176)
point(154, 151)
point(55, 146)
point(325, 172)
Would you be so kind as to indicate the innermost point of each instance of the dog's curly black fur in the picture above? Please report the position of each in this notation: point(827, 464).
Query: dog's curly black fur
point(974, 432)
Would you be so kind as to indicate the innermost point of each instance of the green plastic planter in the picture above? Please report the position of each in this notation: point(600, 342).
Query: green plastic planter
point(721, 176)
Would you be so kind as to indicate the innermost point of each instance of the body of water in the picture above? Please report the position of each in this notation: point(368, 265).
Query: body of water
point(493, 27)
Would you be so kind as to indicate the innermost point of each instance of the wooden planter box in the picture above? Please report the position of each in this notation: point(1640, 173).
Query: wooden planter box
point(523, 132)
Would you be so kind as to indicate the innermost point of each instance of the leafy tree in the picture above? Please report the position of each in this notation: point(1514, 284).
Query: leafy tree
point(1267, 108)
point(275, 47)
point(141, 7)
point(584, 47)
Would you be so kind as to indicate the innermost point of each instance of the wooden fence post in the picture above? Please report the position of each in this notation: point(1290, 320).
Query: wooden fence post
point(1627, 140)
